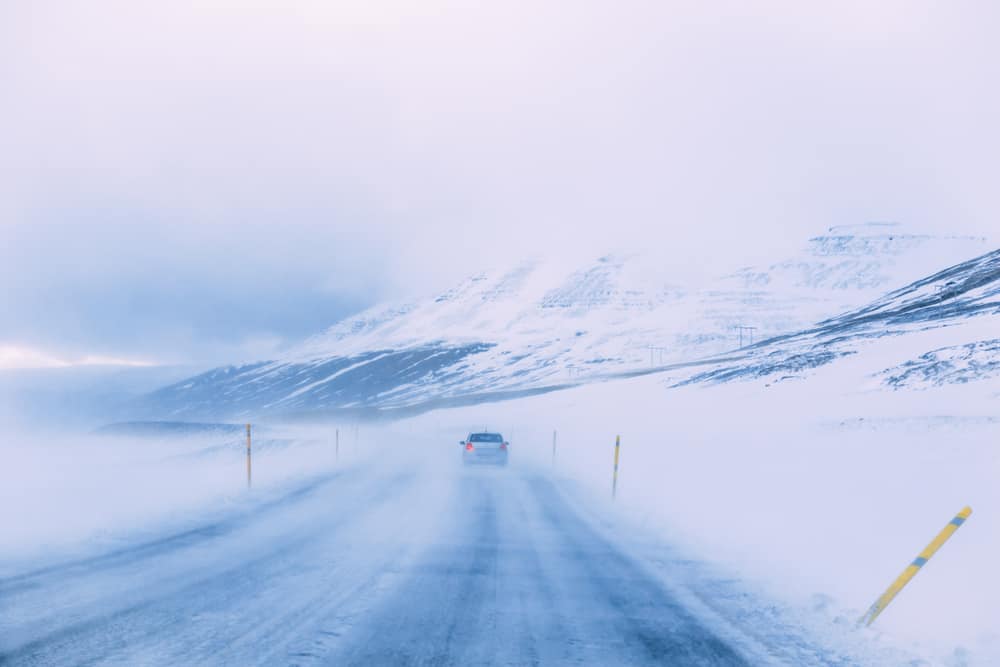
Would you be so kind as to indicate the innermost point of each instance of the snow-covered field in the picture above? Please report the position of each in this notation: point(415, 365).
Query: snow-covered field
point(822, 498)
point(797, 477)
point(810, 494)
point(70, 494)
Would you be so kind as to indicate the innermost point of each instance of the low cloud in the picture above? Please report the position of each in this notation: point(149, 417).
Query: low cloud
point(189, 182)
point(18, 357)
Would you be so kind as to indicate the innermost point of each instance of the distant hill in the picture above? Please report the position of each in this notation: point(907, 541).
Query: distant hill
point(537, 326)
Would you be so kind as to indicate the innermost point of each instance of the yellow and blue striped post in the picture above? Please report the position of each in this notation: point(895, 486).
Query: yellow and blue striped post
point(614, 478)
point(914, 567)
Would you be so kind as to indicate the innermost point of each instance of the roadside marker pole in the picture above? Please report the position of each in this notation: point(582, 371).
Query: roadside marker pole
point(248, 456)
point(336, 448)
point(614, 478)
point(553, 449)
point(914, 567)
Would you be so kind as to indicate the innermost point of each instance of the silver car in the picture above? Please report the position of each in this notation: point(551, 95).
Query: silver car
point(488, 448)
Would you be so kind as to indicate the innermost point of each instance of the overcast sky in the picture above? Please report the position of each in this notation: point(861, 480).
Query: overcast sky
point(194, 182)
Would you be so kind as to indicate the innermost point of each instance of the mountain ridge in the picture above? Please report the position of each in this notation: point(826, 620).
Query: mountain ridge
point(534, 326)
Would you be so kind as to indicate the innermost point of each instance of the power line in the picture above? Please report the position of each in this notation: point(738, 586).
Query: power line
point(749, 330)
point(652, 350)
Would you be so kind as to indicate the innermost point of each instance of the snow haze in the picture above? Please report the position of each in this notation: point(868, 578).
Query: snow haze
point(267, 265)
point(192, 183)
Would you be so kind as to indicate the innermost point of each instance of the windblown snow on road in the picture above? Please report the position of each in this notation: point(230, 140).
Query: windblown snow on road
point(398, 564)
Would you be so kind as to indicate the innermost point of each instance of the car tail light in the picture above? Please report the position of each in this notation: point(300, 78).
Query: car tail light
point(503, 445)
point(469, 447)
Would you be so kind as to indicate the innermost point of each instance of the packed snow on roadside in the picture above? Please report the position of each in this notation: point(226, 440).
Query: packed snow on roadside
point(68, 494)
point(818, 489)
point(813, 490)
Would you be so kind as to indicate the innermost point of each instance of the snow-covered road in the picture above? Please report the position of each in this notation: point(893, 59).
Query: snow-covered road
point(375, 567)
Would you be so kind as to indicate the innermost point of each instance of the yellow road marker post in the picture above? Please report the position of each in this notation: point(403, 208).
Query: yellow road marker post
point(248, 456)
point(614, 478)
point(914, 567)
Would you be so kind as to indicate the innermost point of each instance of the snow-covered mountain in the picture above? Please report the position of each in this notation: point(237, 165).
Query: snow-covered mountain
point(959, 306)
point(540, 325)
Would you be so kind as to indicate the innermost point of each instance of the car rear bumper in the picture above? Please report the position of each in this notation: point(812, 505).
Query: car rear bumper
point(485, 458)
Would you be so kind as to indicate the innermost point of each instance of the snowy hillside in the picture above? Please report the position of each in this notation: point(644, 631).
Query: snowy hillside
point(959, 306)
point(539, 326)
point(948, 365)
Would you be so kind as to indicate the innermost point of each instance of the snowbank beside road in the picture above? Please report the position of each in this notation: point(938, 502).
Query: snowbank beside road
point(65, 494)
point(819, 490)
point(816, 491)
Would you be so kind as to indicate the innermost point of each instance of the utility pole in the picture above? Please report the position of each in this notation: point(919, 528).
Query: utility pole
point(248, 456)
point(749, 330)
point(614, 478)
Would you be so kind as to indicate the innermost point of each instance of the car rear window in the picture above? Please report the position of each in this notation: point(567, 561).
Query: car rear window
point(485, 437)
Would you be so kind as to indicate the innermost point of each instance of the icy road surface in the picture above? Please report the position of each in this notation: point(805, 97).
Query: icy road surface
point(408, 567)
